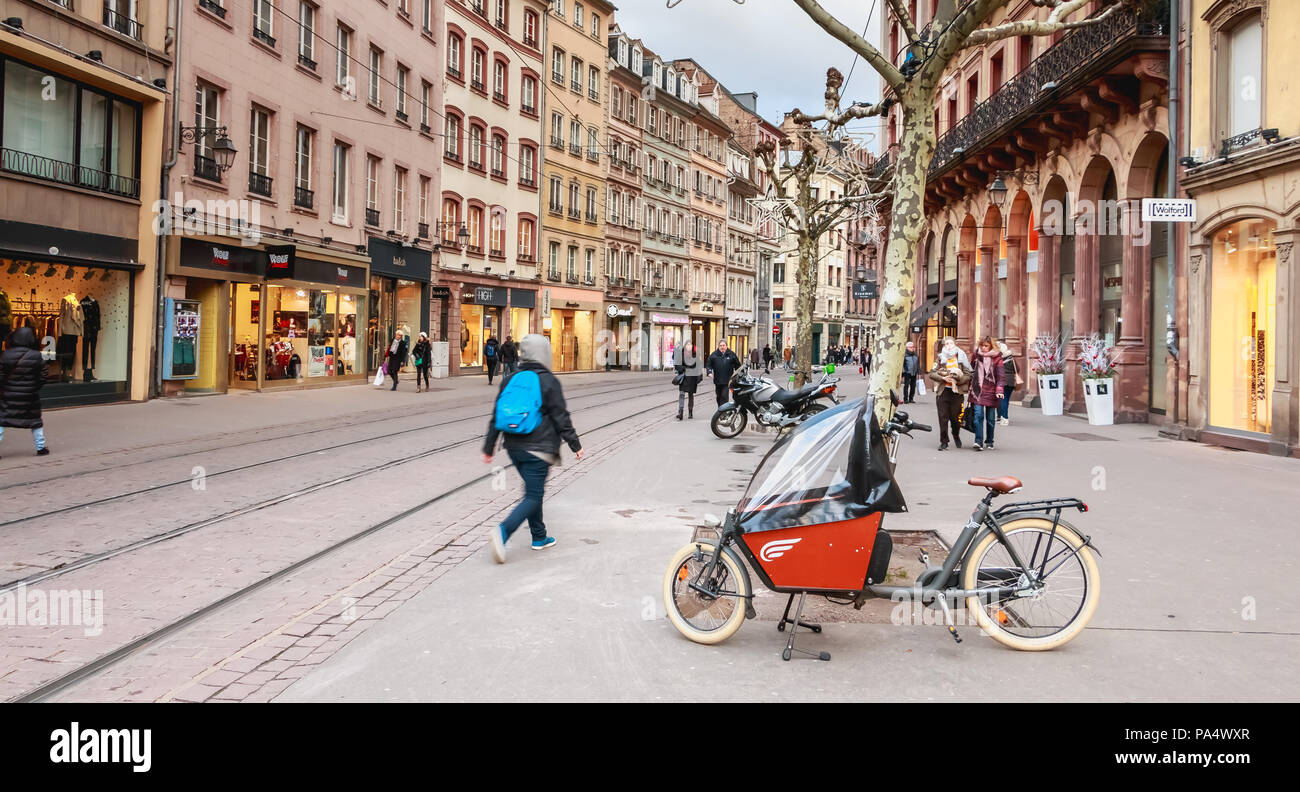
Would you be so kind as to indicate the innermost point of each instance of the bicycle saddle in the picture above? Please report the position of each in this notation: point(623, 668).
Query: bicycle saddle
point(1003, 484)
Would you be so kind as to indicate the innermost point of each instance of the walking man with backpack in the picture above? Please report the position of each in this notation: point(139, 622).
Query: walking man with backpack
point(490, 356)
point(531, 414)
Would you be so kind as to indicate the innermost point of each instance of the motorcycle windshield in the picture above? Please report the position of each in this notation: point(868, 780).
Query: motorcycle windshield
point(832, 467)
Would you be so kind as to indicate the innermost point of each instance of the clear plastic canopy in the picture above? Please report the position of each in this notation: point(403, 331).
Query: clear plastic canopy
point(834, 466)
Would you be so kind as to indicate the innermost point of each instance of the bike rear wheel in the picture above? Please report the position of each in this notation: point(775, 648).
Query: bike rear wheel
point(701, 618)
point(727, 424)
point(1054, 614)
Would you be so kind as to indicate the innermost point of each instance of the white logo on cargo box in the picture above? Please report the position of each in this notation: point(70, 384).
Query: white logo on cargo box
point(774, 550)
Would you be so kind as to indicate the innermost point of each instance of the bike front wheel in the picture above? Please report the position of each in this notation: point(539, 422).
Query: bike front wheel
point(1058, 609)
point(701, 617)
point(729, 423)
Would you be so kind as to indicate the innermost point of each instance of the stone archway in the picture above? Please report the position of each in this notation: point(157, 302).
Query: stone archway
point(1097, 219)
point(1017, 240)
point(990, 254)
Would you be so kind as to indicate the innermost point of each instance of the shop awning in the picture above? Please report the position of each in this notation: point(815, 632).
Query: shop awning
point(929, 308)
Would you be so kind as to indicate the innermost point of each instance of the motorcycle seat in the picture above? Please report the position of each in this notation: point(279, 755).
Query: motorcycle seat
point(1003, 484)
point(786, 396)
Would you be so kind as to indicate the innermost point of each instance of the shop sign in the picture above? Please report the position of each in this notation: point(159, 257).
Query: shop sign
point(482, 295)
point(280, 261)
point(706, 307)
point(439, 292)
point(523, 298)
point(864, 291)
point(572, 304)
point(611, 310)
point(228, 258)
point(546, 301)
point(668, 319)
point(1168, 210)
point(328, 272)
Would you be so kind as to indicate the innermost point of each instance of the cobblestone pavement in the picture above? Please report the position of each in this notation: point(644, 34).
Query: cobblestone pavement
point(267, 515)
point(1197, 600)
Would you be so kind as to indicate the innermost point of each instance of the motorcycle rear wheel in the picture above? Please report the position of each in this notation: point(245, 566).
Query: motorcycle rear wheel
point(1066, 604)
point(808, 412)
point(729, 424)
point(704, 620)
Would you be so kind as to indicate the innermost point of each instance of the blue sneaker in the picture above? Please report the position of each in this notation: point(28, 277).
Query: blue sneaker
point(497, 538)
point(544, 543)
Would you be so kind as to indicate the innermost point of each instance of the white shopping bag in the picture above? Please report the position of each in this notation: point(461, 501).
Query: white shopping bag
point(920, 387)
point(379, 378)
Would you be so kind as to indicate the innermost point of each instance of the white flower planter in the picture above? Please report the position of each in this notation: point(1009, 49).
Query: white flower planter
point(1051, 393)
point(1099, 395)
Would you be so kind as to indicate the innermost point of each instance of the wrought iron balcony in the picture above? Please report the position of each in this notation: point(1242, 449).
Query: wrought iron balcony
point(304, 198)
point(206, 168)
point(259, 184)
point(455, 73)
point(1079, 56)
point(477, 85)
point(557, 142)
point(529, 109)
point(499, 96)
point(593, 155)
point(264, 37)
point(123, 24)
point(372, 217)
point(575, 149)
point(570, 278)
point(306, 62)
point(527, 181)
point(69, 173)
point(422, 231)
point(207, 5)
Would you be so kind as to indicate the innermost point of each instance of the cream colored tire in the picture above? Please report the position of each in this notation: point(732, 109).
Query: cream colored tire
point(1091, 576)
point(729, 623)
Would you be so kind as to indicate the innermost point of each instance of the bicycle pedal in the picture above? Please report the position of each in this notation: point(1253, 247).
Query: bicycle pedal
point(925, 558)
point(953, 631)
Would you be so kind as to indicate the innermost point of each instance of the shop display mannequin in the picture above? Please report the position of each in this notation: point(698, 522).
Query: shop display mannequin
point(6, 316)
point(89, 336)
point(71, 325)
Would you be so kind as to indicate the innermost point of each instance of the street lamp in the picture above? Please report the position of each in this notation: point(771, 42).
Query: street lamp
point(998, 192)
point(462, 236)
point(223, 150)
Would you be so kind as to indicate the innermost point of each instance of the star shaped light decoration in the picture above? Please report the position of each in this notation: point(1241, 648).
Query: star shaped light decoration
point(772, 209)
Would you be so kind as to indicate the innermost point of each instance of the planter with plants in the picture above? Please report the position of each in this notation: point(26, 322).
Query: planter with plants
point(1097, 368)
point(1049, 365)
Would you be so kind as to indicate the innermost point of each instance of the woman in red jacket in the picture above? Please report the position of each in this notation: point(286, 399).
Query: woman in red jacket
point(986, 391)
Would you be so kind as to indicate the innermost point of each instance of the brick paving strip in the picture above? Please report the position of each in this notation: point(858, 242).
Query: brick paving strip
point(266, 667)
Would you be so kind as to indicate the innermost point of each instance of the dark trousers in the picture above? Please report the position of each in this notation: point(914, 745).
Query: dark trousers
point(909, 388)
point(1004, 405)
point(533, 471)
point(422, 372)
point(492, 369)
point(393, 368)
point(89, 344)
point(949, 407)
point(721, 388)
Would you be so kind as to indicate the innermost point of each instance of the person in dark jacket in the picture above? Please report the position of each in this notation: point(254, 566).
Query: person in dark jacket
point(1010, 371)
point(986, 391)
point(509, 352)
point(22, 373)
point(422, 352)
point(767, 358)
point(397, 352)
point(721, 365)
point(687, 362)
point(911, 367)
point(532, 454)
point(491, 355)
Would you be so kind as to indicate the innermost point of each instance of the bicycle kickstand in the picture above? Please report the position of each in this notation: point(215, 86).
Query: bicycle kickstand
point(795, 624)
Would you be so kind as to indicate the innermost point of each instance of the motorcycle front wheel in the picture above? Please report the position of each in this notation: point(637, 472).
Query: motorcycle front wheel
point(1052, 615)
point(729, 423)
point(700, 617)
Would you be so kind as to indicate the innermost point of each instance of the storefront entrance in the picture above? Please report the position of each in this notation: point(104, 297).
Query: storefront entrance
point(394, 304)
point(1243, 327)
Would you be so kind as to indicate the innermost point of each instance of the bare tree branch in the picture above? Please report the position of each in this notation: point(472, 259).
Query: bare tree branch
point(905, 19)
point(1033, 27)
point(883, 66)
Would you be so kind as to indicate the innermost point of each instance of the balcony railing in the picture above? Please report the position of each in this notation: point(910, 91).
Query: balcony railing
point(575, 86)
point(122, 24)
point(571, 278)
point(401, 115)
point(306, 62)
point(499, 96)
point(529, 109)
point(553, 274)
point(1069, 62)
point(575, 214)
point(592, 217)
point(264, 37)
point(372, 217)
point(259, 184)
point(422, 231)
point(206, 168)
point(593, 95)
point(575, 149)
point(304, 198)
point(557, 142)
point(593, 155)
point(68, 173)
point(527, 181)
point(454, 72)
point(208, 5)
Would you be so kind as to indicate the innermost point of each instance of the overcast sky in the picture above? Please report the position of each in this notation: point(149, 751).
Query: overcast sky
point(766, 46)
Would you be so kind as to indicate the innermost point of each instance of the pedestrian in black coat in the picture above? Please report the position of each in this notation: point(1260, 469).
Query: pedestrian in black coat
point(721, 365)
point(422, 352)
point(397, 353)
point(22, 373)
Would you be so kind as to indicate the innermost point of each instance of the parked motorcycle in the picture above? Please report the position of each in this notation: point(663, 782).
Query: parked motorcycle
point(770, 404)
point(810, 523)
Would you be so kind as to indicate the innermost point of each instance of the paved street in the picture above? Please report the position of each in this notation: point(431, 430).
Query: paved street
point(242, 574)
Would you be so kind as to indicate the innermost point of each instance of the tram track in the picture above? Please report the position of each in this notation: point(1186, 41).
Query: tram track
point(393, 414)
point(261, 463)
point(57, 685)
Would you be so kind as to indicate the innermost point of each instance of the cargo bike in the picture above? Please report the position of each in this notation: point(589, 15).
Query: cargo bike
point(809, 522)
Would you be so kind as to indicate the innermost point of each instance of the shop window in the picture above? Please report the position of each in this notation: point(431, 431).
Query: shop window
point(1243, 326)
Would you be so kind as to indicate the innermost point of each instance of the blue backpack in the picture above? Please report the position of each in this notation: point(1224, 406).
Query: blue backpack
point(519, 407)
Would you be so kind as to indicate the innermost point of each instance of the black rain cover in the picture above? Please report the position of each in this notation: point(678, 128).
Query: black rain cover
point(832, 467)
